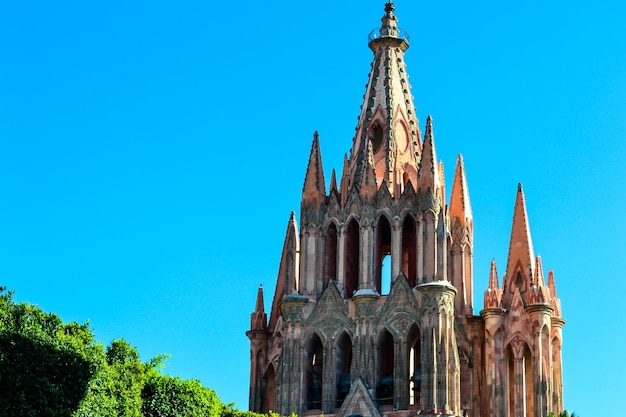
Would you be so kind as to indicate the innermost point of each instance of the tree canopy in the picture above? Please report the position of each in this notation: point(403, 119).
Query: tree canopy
point(50, 368)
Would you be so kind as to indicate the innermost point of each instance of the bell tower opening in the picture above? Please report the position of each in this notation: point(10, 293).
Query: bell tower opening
point(383, 255)
point(409, 250)
point(330, 255)
point(352, 259)
point(312, 381)
point(386, 360)
point(377, 136)
point(343, 363)
point(415, 366)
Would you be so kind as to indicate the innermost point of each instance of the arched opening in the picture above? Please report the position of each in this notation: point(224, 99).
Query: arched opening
point(313, 367)
point(383, 251)
point(510, 380)
point(260, 381)
point(376, 136)
point(386, 359)
point(529, 397)
point(409, 251)
point(352, 258)
point(415, 365)
point(556, 376)
point(343, 362)
point(270, 389)
point(330, 255)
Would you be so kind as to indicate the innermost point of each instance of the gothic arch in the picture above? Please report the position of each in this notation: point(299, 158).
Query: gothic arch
point(343, 364)
point(385, 378)
point(270, 388)
point(331, 243)
point(520, 378)
point(556, 375)
point(352, 257)
point(312, 381)
point(382, 254)
point(414, 362)
point(409, 249)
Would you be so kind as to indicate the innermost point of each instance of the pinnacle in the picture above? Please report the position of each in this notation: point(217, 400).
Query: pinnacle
point(460, 206)
point(520, 247)
point(493, 276)
point(314, 190)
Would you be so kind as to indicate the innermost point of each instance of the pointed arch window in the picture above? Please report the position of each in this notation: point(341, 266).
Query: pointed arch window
point(385, 377)
point(270, 388)
point(313, 368)
point(352, 258)
point(343, 363)
point(520, 381)
point(330, 255)
point(529, 397)
point(415, 366)
point(383, 278)
point(409, 250)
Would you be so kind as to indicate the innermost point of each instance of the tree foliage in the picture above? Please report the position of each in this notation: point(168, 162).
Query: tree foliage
point(563, 413)
point(49, 368)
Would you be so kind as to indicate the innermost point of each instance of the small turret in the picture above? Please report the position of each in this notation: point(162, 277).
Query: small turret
point(258, 319)
point(314, 190)
point(493, 294)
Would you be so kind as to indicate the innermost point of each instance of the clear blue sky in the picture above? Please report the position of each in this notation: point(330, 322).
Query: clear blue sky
point(151, 152)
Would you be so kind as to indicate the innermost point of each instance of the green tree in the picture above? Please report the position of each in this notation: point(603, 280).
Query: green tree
point(45, 365)
point(564, 413)
point(167, 396)
point(52, 369)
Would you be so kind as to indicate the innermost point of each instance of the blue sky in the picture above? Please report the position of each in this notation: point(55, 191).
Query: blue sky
point(151, 152)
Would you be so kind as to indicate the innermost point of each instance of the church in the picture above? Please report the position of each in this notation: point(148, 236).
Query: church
point(373, 311)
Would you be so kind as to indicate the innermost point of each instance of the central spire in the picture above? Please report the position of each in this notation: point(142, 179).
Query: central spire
point(387, 118)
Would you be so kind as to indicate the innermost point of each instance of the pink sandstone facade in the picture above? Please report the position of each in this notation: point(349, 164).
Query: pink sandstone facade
point(339, 341)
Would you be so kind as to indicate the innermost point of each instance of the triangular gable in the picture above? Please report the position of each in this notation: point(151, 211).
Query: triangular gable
point(383, 197)
point(400, 299)
point(358, 402)
point(330, 308)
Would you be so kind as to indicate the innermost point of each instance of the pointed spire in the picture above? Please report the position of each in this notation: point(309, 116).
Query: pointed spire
point(344, 185)
point(333, 181)
point(493, 276)
point(369, 188)
point(554, 300)
point(521, 260)
point(551, 284)
point(258, 319)
point(539, 278)
point(428, 171)
point(387, 115)
point(493, 294)
point(314, 190)
point(287, 281)
point(460, 207)
point(260, 305)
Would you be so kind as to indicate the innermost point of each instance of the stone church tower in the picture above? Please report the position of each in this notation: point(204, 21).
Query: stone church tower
point(373, 308)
